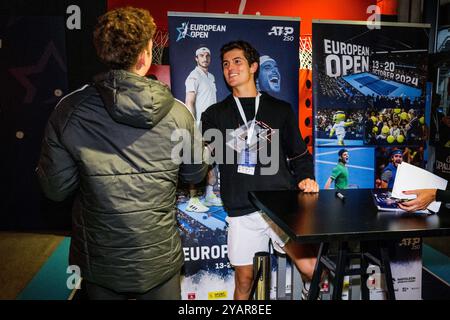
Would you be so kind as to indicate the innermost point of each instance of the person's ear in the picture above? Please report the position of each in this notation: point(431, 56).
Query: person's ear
point(254, 67)
point(141, 60)
point(150, 51)
point(150, 45)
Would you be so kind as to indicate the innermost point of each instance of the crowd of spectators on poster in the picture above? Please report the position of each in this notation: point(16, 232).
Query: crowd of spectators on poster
point(395, 126)
point(338, 93)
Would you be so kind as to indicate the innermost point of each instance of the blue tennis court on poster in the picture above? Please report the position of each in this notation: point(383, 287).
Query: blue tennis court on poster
point(360, 167)
point(379, 86)
point(334, 142)
point(369, 84)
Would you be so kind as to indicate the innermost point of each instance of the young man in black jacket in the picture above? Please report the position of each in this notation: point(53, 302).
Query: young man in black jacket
point(246, 119)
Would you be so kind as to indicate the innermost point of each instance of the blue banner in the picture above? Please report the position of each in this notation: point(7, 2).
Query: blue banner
point(369, 85)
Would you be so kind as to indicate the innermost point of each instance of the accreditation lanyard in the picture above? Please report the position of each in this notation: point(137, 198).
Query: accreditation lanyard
point(250, 130)
point(247, 161)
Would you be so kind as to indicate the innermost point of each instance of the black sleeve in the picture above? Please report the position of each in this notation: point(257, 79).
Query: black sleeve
point(443, 195)
point(193, 173)
point(299, 159)
point(56, 169)
point(193, 170)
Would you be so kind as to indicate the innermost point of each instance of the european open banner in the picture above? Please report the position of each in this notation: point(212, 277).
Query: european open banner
point(207, 271)
point(369, 86)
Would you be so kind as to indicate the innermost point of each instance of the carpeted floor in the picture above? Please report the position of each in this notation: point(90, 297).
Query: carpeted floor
point(21, 257)
point(441, 244)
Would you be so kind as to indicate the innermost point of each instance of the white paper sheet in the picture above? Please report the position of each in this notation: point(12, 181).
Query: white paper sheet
point(410, 177)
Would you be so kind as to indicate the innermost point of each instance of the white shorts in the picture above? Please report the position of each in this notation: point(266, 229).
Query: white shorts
point(250, 234)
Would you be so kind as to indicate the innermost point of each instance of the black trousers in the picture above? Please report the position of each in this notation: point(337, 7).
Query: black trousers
point(169, 290)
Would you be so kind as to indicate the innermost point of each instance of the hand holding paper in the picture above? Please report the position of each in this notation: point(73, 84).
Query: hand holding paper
point(409, 178)
point(424, 198)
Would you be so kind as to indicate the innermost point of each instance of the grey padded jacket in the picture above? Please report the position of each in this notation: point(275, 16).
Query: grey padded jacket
point(110, 143)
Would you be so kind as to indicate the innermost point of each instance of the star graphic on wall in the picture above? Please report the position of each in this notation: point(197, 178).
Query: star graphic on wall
point(22, 73)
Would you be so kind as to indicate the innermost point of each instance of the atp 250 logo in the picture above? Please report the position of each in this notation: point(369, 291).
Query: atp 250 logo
point(286, 32)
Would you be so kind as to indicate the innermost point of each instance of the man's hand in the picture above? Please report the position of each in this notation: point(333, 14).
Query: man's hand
point(308, 185)
point(424, 198)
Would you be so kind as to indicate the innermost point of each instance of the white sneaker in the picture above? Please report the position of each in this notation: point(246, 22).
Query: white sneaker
point(195, 205)
point(213, 200)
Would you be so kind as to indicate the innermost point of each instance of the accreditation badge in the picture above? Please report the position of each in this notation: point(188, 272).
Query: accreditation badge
point(247, 161)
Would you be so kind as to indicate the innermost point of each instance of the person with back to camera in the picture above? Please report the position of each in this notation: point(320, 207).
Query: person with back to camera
point(110, 144)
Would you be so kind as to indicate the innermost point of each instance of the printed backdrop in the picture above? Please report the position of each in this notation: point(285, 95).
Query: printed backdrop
point(208, 274)
point(369, 98)
point(369, 92)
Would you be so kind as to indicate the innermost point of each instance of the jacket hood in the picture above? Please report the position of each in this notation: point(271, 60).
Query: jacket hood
point(132, 99)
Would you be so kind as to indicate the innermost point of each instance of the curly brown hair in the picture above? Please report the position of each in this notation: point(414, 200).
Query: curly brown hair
point(121, 34)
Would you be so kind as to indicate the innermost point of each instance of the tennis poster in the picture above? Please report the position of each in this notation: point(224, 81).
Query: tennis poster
point(195, 42)
point(369, 89)
point(369, 84)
